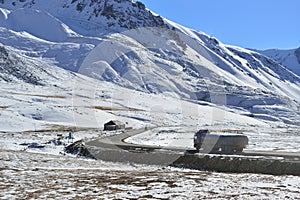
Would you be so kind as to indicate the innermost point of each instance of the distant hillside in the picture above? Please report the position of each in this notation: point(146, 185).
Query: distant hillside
point(288, 58)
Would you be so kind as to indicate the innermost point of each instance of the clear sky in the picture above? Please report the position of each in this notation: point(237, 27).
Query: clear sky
point(260, 24)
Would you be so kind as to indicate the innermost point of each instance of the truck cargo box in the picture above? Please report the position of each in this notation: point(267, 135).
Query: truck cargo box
point(220, 142)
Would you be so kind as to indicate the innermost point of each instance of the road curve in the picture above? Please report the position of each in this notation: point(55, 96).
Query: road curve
point(114, 149)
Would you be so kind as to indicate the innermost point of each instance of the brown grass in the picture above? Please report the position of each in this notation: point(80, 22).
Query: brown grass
point(229, 131)
point(3, 107)
point(69, 128)
point(39, 95)
point(60, 128)
point(48, 96)
point(116, 109)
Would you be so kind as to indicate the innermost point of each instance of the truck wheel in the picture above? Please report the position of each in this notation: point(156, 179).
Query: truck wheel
point(238, 150)
point(215, 150)
point(227, 150)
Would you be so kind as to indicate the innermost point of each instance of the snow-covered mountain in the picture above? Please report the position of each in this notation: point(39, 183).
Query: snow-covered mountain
point(289, 58)
point(122, 42)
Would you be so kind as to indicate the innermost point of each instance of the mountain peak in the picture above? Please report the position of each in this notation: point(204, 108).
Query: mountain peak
point(123, 13)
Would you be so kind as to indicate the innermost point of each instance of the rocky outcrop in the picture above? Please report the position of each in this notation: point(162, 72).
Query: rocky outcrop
point(13, 68)
point(123, 13)
point(297, 53)
point(78, 148)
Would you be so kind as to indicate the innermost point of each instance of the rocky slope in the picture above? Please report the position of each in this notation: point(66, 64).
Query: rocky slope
point(16, 68)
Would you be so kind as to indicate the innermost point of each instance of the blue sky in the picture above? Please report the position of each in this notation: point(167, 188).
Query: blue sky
point(260, 24)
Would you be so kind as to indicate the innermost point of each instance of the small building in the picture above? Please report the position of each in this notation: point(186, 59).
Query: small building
point(114, 125)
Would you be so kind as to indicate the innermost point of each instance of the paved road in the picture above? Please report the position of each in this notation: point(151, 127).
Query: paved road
point(116, 150)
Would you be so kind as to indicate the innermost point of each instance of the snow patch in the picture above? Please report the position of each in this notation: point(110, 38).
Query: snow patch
point(38, 23)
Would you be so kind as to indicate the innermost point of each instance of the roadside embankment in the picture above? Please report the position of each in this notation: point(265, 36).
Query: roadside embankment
point(234, 164)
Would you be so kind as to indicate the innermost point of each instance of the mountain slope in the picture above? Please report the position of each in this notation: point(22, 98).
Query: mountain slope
point(36, 95)
point(288, 58)
point(122, 42)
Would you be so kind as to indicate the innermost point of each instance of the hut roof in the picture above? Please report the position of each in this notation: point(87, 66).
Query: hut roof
point(114, 122)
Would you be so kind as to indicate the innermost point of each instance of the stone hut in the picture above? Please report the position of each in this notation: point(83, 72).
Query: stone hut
point(114, 125)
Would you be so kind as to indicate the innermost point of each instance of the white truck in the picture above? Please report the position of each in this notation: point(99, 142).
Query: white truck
point(228, 143)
